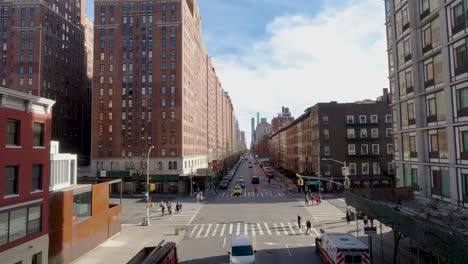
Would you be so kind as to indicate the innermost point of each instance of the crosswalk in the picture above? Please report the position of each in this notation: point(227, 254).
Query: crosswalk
point(185, 217)
point(253, 194)
point(252, 229)
point(325, 212)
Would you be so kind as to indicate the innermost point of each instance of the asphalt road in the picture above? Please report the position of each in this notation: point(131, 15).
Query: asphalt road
point(269, 217)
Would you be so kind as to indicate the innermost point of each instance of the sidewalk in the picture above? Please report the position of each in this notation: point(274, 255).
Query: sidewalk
point(131, 240)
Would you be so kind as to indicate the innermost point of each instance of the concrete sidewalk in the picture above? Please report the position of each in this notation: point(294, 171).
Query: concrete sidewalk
point(131, 240)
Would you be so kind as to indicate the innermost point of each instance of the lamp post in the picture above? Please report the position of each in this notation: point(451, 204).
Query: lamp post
point(191, 181)
point(147, 186)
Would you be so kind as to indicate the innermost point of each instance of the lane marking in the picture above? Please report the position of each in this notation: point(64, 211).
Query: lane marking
point(224, 243)
point(245, 229)
point(252, 228)
point(315, 230)
point(238, 229)
point(260, 229)
point(267, 229)
point(276, 229)
point(300, 230)
point(289, 251)
point(193, 230)
point(208, 230)
point(199, 232)
point(291, 228)
point(261, 194)
point(222, 230)
point(284, 228)
point(230, 229)
point(216, 229)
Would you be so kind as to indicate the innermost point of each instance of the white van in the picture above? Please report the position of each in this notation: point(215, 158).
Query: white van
point(242, 250)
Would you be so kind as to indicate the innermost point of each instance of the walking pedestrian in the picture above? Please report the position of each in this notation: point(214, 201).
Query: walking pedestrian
point(308, 225)
point(162, 209)
point(177, 207)
point(299, 218)
point(306, 200)
point(348, 217)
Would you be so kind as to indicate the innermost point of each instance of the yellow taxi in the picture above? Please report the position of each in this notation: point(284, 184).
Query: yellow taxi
point(237, 191)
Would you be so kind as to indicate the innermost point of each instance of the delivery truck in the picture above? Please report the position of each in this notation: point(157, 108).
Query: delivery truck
point(341, 248)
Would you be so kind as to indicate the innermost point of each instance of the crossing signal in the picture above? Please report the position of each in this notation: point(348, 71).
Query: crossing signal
point(152, 187)
point(300, 182)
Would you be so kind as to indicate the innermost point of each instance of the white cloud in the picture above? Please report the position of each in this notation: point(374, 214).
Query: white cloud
point(338, 55)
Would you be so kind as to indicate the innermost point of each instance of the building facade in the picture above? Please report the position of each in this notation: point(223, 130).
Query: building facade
point(154, 85)
point(43, 54)
point(283, 119)
point(428, 71)
point(25, 160)
point(356, 133)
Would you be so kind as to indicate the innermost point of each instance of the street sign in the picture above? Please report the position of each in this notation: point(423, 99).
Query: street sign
point(313, 182)
point(370, 230)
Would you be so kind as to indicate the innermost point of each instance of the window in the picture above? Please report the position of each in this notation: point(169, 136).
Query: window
point(82, 202)
point(433, 71)
point(375, 133)
point(350, 119)
point(407, 113)
point(11, 180)
point(13, 134)
point(440, 181)
point(460, 57)
point(326, 150)
point(391, 168)
point(172, 140)
point(351, 149)
point(438, 147)
point(431, 35)
point(38, 134)
point(363, 133)
point(435, 105)
point(163, 102)
point(389, 149)
point(173, 152)
point(388, 119)
point(375, 149)
point(163, 140)
point(374, 119)
point(352, 168)
point(326, 134)
point(351, 133)
point(365, 168)
point(18, 224)
point(325, 119)
point(458, 18)
point(364, 149)
point(163, 152)
point(362, 119)
point(37, 177)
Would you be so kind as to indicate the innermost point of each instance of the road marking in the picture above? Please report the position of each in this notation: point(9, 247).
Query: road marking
point(199, 231)
point(315, 230)
point(252, 228)
point(208, 230)
point(238, 229)
point(230, 229)
point(193, 230)
point(261, 194)
point(260, 229)
point(267, 228)
point(245, 194)
point(291, 228)
point(282, 194)
point(245, 229)
point(289, 251)
point(276, 229)
point(216, 229)
point(222, 230)
point(300, 230)
point(224, 243)
point(284, 228)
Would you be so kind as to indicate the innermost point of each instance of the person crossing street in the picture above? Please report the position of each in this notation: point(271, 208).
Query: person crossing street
point(308, 225)
point(299, 218)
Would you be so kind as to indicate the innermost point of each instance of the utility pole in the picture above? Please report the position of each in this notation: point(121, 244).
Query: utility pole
point(147, 187)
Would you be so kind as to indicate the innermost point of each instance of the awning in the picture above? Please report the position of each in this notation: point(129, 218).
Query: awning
point(164, 178)
point(115, 173)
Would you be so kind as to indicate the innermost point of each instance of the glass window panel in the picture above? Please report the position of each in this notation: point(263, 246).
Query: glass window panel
point(34, 220)
point(81, 206)
point(18, 224)
point(3, 228)
point(465, 141)
point(443, 146)
point(438, 71)
point(445, 182)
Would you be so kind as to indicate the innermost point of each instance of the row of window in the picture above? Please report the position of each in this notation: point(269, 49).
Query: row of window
point(145, 7)
point(4, 23)
point(130, 20)
point(131, 43)
point(12, 180)
point(143, 56)
point(110, 91)
point(19, 223)
point(374, 119)
point(163, 153)
point(351, 132)
point(365, 149)
point(14, 133)
point(365, 168)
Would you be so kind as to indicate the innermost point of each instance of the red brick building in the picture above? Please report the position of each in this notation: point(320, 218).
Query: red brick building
point(43, 54)
point(25, 134)
point(154, 85)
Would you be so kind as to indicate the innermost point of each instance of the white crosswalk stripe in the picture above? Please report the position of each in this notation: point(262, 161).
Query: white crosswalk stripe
point(252, 229)
point(184, 217)
point(325, 212)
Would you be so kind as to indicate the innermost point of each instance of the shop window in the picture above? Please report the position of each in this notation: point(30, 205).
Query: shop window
point(82, 205)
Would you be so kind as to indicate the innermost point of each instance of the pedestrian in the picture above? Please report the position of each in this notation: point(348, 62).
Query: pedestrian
point(177, 207)
point(180, 207)
point(162, 209)
point(169, 208)
point(348, 217)
point(198, 197)
point(306, 200)
point(299, 218)
point(308, 225)
point(312, 199)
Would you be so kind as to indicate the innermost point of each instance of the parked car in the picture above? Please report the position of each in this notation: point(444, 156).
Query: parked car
point(223, 185)
point(241, 183)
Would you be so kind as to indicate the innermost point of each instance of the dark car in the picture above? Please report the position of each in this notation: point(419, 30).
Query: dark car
point(241, 183)
point(255, 180)
point(223, 185)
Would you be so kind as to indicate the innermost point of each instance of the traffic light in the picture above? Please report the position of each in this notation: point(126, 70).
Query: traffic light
point(152, 187)
point(300, 182)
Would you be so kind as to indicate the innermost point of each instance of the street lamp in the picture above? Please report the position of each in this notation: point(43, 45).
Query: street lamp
point(147, 186)
point(191, 180)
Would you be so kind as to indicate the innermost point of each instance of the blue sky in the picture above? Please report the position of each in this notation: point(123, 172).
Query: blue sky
point(294, 53)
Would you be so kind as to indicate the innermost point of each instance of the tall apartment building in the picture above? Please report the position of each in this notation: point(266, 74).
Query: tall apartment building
point(283, 119)
point(43, 55)
point(428, 71)
point(154, 85)
point(25, 133)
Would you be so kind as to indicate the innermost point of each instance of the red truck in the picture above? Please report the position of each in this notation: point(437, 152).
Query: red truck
point(341, 248)
point(164, 253)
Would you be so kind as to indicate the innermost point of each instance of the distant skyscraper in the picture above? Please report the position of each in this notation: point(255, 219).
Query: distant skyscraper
point(252, 131)
point(258, 118)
